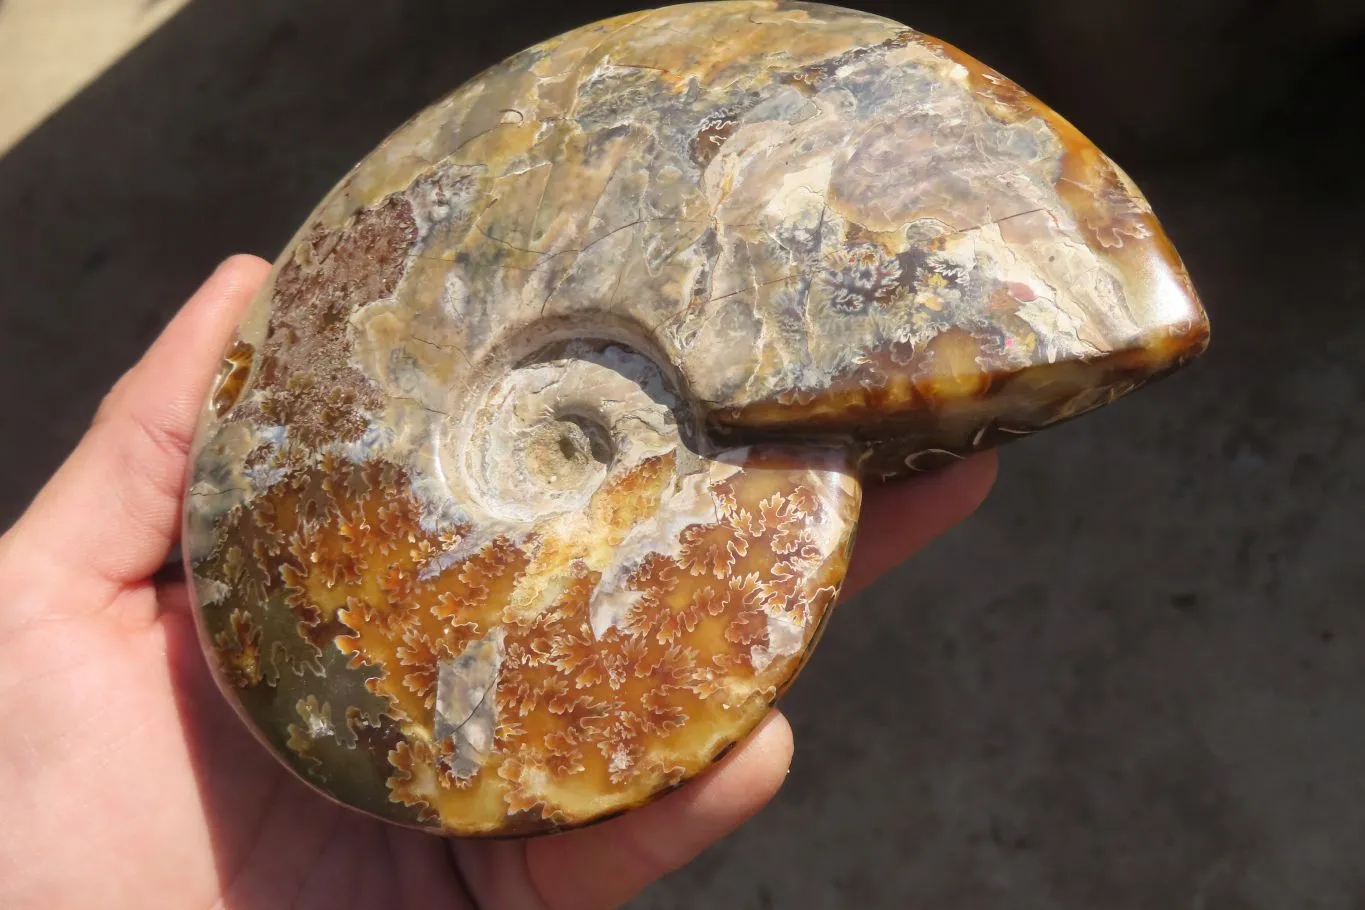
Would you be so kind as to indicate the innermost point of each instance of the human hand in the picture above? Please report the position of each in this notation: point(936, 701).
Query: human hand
point(126, 780)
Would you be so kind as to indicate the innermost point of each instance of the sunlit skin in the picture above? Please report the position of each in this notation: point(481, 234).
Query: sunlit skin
point(127, 781)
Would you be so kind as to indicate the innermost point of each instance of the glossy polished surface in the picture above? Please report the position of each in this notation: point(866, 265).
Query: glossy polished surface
point(530, 479)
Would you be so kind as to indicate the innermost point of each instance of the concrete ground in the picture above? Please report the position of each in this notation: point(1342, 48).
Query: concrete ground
point(1134, 681)
point(51, 49)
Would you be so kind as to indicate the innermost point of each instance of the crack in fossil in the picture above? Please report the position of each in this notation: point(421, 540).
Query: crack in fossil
point(419, 404)
point(220, 492)
point(1001, 220)
point(454, 349)
point(487, 692)
point(644, 66)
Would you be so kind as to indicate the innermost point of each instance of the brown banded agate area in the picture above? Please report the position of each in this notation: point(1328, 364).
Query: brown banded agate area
point(529, 481)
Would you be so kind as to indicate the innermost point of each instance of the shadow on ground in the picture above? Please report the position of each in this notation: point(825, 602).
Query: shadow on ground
point(1136, 679)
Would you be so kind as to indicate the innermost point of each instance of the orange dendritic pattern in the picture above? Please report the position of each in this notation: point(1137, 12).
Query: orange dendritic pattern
point(582, 722)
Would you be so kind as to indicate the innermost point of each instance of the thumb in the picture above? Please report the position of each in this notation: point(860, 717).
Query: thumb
point(606, 865)
point(110, 514)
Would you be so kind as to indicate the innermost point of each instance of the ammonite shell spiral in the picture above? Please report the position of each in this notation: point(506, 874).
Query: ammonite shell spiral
point(530, 479)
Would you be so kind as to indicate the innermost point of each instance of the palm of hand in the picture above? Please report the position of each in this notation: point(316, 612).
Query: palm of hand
point(148, 791)
point(127, 781)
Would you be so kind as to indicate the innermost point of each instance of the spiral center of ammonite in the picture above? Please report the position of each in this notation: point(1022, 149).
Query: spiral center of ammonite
point(554, 427)
point(569, 451)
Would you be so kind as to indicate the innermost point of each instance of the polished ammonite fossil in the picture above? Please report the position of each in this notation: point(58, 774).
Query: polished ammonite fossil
point(529, 480)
